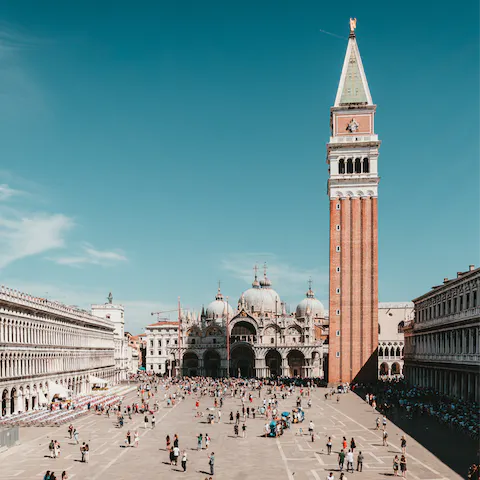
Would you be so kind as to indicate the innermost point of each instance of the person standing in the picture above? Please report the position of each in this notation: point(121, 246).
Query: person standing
point(75, 435)
point(184, 460)
point(344, 444)
point(341, 459)
point(329, 445)
point(153, 421)
point(244, 430)
point(330, 476)
point(129, 438)
point(87, 453)
point(136, 438)
point(396, 465)
point(145, 421)
point(360, 462)
point(385, 437)
point(207, 441)
point(82, 452)
point(47, 475)
point(211, 462)
point(64, 475)
point(352, 445)
point(403, 444)
point(167, 440)
point(51, 448)
point(350, 461)
point(176, 453)
point(403, 466)
point(384, 422)
point(199, 441)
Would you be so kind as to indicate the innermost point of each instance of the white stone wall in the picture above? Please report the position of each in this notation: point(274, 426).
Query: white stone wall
point(43, 342)
point(159, 341)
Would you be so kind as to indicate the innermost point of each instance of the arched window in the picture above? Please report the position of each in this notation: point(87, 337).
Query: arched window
point(358, 165)
point(341, 166)
point(349, 165)
point(380, 352)
point(366, 165)
point(400, 326)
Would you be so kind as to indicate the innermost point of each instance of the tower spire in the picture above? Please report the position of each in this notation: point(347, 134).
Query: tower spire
point(353, 87)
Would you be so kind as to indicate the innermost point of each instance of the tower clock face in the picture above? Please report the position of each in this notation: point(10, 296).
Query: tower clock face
point(353, 126)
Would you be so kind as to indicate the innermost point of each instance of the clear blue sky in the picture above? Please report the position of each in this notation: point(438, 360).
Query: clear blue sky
point(153, 148)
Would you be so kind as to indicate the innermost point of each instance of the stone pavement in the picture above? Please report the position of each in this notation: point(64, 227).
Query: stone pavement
point(291, 456)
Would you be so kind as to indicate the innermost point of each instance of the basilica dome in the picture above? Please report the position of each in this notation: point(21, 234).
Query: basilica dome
point(261, 298)
point(218, 308)
point(310, 306)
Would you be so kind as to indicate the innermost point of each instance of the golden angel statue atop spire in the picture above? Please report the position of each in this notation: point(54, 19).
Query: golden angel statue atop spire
point(353, 24)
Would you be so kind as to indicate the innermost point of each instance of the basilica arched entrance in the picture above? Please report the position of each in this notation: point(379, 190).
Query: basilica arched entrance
point(296, 363)
point(190, 364)
point(273, 361)
point(243, 331)
point(211, 362)
point(242, 363)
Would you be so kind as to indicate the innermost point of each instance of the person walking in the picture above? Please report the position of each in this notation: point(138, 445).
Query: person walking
point(184, 460)
point(385, 437)
point(145, 421)
point(129, 438)
point(396, 465)
point(70, 430)
point(235, 430)
point(211, 462)
point(167, 440)
point(330, 476)
point(231, 417)
point(64, 475)
point(136, 438)
point(176, 454)
point(403, 466)
point(199, 441)
point(87, 453)
point(403, 444)
point(344, 444)
point(377, 423)
point(75, 436)
point(329, 445)
point(360, 462)
point(384, 422)
point(207, 441)
point(51, 448)
point(244, 430)
point(47, 475)
point(153, 421)
point(349, 461)
point(341, 459)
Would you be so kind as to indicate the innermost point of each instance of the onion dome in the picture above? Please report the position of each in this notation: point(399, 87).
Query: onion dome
point(219, 308)
point(310, 306)
point(261, 298)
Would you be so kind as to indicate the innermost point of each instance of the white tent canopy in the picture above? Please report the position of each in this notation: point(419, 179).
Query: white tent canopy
point(57, 389)
point(97, 380)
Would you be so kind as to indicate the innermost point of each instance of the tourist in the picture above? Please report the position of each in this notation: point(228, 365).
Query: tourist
point(235, 430)
point(52, 476)
point(145, 421)
point(184, 460)
point(136, 438)
point(153, 421)
point(244, 430)
point(167, 439)
point(87, 453)
point(47, 475)
point(64, 475)
point(329, 445)
point(384, 422)
point(341, 459)
point(342, 476)
point(175, 440)
point(352, 445)
point(70, 430)
point(129, 438)
point(75, 435)
point(377, 423)
point(176, 453)
point(51, 448)
point(344, 444)
point(403, 466)
point(330, 476)
point(199, 441)
point(349, 457)
point(311, 426)
point(403, 444)
point(385, 437)
point(211, 462)
point(207, 441)
point(396, 465)
point(231, 417)
point(170, 454)
point(360, 462)
point(82, 452)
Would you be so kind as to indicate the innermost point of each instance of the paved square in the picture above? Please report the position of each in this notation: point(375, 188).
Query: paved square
point(291, 456)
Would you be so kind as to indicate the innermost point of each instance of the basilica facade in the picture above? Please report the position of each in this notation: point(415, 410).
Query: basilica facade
point(263, 339)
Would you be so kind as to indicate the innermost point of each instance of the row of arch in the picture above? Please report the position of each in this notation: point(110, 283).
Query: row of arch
point(390, 351)
point(353, 166)
point(45, 331)
point(25, 364)
point(459, 341)
point(393, 369)
point(31, 396)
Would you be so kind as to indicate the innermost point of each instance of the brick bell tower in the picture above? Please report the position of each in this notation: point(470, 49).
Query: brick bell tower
point(352, 156)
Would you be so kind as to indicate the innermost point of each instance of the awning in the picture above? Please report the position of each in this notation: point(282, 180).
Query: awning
point(97, 381)
point(58, 390)
point(42, 399)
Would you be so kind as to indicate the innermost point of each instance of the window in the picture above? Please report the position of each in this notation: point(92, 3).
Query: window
point(460, 303)
point(167, 341)
point(366, 166)
point(341, 166)
point(400, 326)
point(350, 165)
point(337, 333)
point(358, 165)
point(159, 343)
point(151, 367)
point(160, 353)
point(474, 298)
point(294, 340)
point(337, 248)
point(151, 343)
point(338, 269)
point(455, 305)
point(467, 301)
point(272, 340)
point(338, 206)
point(338, 290)
point(338, 312)
point(337, 227)
point(214, 340)
point(151, 352)
point(337, 354)
point(192, 341)
point(108, 315)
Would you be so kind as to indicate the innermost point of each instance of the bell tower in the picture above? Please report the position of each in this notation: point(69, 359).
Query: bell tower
point(352, 156)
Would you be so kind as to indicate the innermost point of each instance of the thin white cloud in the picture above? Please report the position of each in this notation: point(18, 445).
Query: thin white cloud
point(6, 192)
point(25, 235)
point(90, 255)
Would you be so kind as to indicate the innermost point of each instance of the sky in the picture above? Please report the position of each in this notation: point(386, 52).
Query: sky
point(152, 149)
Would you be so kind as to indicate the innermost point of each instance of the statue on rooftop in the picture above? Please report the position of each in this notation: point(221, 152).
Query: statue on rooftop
point(110, 297)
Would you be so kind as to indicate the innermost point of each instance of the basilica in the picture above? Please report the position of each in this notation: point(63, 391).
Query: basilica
point(264, 339)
